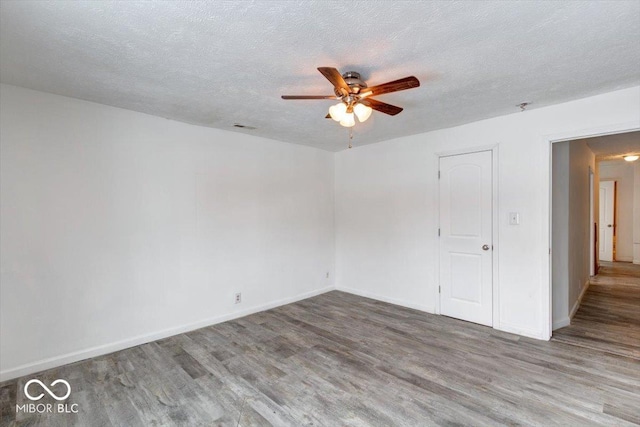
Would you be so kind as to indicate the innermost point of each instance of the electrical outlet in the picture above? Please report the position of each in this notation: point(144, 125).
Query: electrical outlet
point(238, 298)
point(514, 218)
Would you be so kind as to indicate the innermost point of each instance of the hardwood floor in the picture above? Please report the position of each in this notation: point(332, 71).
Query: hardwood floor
point(343, 360)
point(609, 316)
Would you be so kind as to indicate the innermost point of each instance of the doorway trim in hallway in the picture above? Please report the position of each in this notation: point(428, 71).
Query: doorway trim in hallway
point(546, 209)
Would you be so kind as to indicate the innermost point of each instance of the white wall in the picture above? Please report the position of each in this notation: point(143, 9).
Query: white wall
point(623, 173)
point(387, 211)
point(119, 228)
point(581, 160)
point(571, 227)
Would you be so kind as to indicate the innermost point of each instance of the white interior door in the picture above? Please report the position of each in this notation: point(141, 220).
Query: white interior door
point(606, 223)
point(466, 258)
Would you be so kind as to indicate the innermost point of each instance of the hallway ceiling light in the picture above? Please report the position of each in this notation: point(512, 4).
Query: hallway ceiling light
point(631, 158)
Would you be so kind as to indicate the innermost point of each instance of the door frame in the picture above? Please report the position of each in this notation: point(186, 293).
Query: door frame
point(546, 180)
point(495, 289)
point(592, 231)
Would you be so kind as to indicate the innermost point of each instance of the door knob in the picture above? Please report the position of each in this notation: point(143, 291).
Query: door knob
point(485, 247)
point(609, 225)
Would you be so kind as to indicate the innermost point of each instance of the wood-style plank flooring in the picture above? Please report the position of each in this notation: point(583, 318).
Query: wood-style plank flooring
point(343, 360)
point(609, 316)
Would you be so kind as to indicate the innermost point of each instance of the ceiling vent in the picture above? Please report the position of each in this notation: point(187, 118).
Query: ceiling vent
point(238, 125)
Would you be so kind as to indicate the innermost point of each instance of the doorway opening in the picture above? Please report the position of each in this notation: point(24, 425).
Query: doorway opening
point(595, 217)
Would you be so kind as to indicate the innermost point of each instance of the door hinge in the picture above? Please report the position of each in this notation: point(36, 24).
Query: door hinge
point(438, 232)
point(439, 289)
point(438, 174)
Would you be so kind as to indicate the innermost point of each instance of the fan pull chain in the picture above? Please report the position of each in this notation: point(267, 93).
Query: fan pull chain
point(350, 137)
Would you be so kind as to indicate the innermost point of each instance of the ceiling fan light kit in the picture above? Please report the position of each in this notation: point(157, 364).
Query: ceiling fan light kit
point(338, 111)
point(355, 96)
point(363, 112)
point(348, 120)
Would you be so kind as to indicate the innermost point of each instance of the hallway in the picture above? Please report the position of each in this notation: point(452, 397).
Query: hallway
point(609, 316)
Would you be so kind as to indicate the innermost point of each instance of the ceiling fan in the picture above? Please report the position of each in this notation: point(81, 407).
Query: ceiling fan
point(355, 96)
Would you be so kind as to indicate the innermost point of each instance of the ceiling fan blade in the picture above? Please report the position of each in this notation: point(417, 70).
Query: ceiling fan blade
point(383, 107)
point(335, 78)
point(394, 86)
point(308, 97)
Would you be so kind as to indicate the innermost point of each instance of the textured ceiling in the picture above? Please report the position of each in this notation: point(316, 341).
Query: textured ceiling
point(219, 63)
point(614, 147)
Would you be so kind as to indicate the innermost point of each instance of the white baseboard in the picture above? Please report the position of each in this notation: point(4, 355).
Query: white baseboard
point(576, 306)
point(394, 301)
point(501, 327)
point(561, 323)
point(100, 350)
point(518, 330)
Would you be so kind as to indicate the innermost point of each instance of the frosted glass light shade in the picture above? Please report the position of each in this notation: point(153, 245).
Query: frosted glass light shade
point(338, 111)
point(362, 111)
point(631, 158)
point(348, 120)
